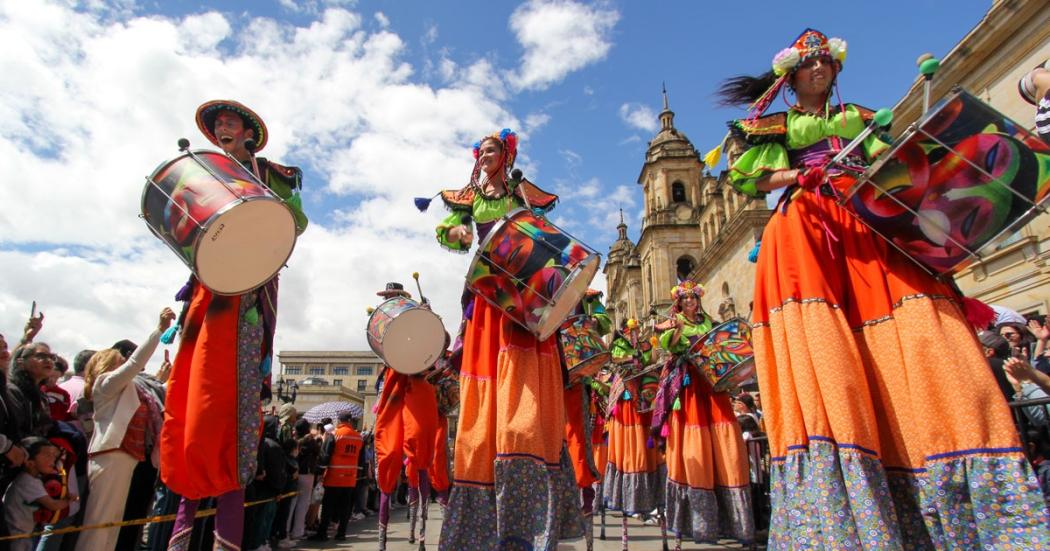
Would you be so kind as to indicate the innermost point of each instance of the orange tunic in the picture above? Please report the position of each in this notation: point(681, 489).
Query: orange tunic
point(577, 437)
point(406, 425)
point(212, 406)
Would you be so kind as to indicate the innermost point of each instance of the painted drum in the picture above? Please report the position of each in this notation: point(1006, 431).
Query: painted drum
point(533, 271)
point(954, 185)
point(408, 337)
point(583, 349)
point(724, 355)
point(230, 230)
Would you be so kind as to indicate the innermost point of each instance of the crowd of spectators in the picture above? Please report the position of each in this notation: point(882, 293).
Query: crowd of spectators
point(79, 447)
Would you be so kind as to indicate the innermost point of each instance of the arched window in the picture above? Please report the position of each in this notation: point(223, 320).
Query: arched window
point(725, 289)
point(684, 266)
point(678, 192)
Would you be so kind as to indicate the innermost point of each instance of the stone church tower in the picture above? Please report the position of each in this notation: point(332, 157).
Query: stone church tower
point(694, 226)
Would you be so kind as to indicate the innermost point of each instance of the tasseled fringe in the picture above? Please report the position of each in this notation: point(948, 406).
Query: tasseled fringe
point(627, 395)
point(665, 429)
point(712, 157)
point(979, 314)
point(650, 443)
point(168, 336)
point(686, 380)
point(423, 203)
point(753, 255)
point(677, 406)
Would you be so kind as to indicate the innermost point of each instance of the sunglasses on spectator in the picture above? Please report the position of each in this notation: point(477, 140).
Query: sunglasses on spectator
point(1008, 334)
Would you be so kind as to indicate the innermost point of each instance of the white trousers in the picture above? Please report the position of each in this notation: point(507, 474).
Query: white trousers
point(302, 504)
point(109, 477)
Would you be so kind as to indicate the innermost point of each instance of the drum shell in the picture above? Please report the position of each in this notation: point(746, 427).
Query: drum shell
point(954, 185)
point(231, 231)
point(416, 334)
point(532, 271)
point(724, 355)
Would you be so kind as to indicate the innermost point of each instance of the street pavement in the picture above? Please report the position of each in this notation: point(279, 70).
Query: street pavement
point(364, 535)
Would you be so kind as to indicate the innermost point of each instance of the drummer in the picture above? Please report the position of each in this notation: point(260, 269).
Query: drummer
point(708, 489)
point(578, 419)
point(513, 484)
point(405, 432)
point(635, 474)
point(212, 417)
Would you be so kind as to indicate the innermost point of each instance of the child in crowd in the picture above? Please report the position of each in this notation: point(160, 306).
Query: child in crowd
point(27, 494)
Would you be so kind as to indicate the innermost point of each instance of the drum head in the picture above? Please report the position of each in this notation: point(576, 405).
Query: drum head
point(569, 295)
point(245, 246)
point(413, 341)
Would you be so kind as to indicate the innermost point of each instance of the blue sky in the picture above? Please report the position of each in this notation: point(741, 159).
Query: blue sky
point(378, 102)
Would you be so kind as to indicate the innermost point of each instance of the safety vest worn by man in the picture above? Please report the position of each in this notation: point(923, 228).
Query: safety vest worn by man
point(342, 465)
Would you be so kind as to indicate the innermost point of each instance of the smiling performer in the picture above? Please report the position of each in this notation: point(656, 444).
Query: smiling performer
point(212, 416)
point(856, 346)
point(513, 485)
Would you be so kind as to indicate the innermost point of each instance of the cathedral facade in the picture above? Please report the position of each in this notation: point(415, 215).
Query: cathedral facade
point(694, 225)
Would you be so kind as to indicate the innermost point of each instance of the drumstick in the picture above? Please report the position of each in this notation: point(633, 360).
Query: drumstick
point(249, 144)
point(515, 175)
point(883, 117)
point(370, 310)
point(423, 299)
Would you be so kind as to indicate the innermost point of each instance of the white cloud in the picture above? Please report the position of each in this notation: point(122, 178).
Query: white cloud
point(382, 19)
point(535, 121)
point(82, 130)
point(639, 116)
point(588, 91)
point(559, 37)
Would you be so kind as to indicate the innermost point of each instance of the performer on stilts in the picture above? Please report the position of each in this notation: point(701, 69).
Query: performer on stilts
point(578, 420)
point(599, 395)
point(212, 413)
point(513, 485)
point(635, 474)
point(886, 431)
point(708, 485)
point(406, 427)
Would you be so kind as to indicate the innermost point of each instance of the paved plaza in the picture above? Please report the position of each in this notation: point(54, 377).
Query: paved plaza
point(364, 535)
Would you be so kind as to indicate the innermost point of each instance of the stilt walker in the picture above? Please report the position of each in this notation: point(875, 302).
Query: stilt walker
point(854, 342)
point(583, 352)
point(708, 486)
point(406, 425)
point(212, 413)
point(635, 474)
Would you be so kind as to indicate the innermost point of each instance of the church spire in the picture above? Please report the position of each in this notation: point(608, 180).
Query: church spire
point(666, 116)
point(622, 228)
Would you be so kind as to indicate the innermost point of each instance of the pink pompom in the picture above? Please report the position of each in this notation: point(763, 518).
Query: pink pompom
point(665, 430)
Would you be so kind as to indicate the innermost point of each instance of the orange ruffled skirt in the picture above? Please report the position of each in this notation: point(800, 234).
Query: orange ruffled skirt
point(886, 427)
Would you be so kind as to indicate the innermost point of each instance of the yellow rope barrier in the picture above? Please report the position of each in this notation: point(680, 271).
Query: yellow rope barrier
point(122, 523)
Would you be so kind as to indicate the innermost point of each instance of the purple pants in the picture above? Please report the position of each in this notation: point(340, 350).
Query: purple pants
point(229, 522)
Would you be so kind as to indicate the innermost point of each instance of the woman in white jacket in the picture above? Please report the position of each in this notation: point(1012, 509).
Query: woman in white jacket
point(122, 415)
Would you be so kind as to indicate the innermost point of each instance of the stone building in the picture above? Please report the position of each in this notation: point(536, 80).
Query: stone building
point(329, 376)
point(693, 225)
point(1012, 38)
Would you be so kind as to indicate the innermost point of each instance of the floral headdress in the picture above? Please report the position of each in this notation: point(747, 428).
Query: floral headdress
point(810, 43)
point(509, 144)
point(683, 289)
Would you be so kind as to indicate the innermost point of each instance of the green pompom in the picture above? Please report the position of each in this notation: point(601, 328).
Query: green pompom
point(677, 404)
point(251, 316)
point(883, 117)
point(930, 66)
